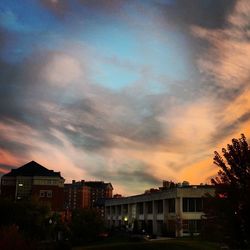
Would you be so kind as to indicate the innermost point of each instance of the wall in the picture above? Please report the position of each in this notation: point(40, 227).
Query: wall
point(162, 211)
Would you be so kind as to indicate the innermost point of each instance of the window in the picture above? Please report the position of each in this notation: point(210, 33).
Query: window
point(46, 193)
point(192, 204)
point(140, 205)
point(159, 207)
point(49, 193)
point(191, 226)
point(125, 209)
point(171, 205)
point(199, 205)
point(119, 210)
point(42, 193)
point(150, 207)
point(108, 210)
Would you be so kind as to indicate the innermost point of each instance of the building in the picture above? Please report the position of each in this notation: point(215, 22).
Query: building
point(174, 211)
point(99, 192)
point(76, 195)
point(87, 194)
point(33, 181)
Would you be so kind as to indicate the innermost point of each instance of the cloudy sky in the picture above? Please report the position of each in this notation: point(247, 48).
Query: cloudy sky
point(126, 91)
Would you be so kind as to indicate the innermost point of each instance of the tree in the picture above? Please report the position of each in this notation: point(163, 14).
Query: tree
point(29, 217)
point(230, 208)
point(85, 226)
point(11, 238)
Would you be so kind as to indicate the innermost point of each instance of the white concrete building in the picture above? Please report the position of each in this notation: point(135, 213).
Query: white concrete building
point(176, 211)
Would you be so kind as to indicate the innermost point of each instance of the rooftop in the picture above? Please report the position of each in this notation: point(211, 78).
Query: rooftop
point(32, 169)
point(98, 184)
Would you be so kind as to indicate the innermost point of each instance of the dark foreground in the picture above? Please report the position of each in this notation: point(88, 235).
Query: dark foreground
point(169, 244)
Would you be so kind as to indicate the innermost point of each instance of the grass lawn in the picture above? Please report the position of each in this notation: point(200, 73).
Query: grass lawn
point(172, 244)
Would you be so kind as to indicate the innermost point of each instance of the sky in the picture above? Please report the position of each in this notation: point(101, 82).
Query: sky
point(130, 92)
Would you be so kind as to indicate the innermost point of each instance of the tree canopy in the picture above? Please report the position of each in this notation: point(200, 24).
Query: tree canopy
point(86, 225)
point(230, 208)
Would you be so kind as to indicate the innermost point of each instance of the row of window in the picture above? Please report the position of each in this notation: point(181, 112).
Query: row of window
point(188, 205)
point(188, 226)
point(191, 226)
point(47, 182)
point(192, 204)
point(46, 193)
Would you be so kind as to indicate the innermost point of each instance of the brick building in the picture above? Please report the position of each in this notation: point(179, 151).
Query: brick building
point(33, 181)
point(87, 194)
point(99, 192)
point(76, 195)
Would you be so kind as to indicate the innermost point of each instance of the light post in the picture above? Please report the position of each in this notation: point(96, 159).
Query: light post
point(50, 229)
point(126, 222)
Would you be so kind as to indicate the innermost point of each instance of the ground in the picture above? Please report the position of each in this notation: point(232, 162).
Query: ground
point(170, 244)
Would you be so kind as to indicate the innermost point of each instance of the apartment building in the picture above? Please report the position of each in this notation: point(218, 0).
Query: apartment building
point(174, 211)
point(87, 194)
point(34, 181)
point(76, 195)
point(99, 193)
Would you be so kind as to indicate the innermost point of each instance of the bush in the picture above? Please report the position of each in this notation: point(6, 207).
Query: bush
point(11, 238)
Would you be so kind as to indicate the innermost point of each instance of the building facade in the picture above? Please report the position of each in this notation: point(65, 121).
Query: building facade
point(76, 195)
point(87, 195)
point(175, 211)
point(99, 193)
point(33, 181)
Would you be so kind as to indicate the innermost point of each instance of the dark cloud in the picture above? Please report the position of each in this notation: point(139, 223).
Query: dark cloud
point(130, 174)
point(19, 149)
point(148, 131)
point(227, 129)
point(218, 92)
point(106, 5)
point(205, 13)
point(95, 140)
point(21, 84)
point(61, 8)
point(58, 7)
point(22, 94)
point(5, 168)
point(3, 39)
point(138, 176)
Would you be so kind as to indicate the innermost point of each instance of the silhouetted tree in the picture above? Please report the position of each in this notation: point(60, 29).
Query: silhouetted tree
point(11, 238)
point(85, 226)
point(29, 217)
point(229, 210)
